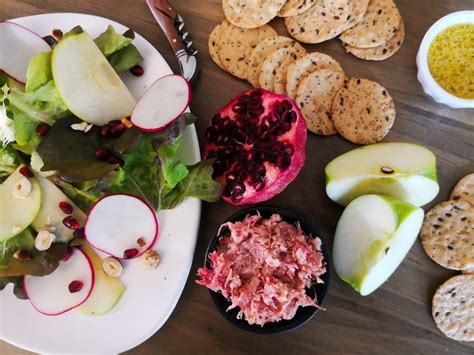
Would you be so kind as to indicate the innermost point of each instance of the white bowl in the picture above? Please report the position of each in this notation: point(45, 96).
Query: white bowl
point(430, 86)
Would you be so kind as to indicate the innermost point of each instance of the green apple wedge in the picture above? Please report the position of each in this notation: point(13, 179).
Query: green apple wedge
point(402, 170)
point(373, 236)
point(106, 292)
point(87, 83)
point(50, 216)
point(17, 213)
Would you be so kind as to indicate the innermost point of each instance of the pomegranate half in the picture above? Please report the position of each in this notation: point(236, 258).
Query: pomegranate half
point(258, 141)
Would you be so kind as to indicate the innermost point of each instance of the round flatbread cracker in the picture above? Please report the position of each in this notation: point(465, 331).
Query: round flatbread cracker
point(379, 24)
point(281, 74)
point(324, 20)
point(453, 308)
point(447, 234)
point(358, 10)
point(295, 7)
point(381, 52)
point(251, 13)
point(237, 45)
point(464, 190)
point(306, 65)
point(214, 44)
point(274, 61)
point(262, 51)
point(315, 97)
point(363, 111)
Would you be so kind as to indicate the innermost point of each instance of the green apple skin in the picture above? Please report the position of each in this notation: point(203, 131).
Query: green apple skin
point(87, 83)
point(107, 290)
point(50, 216)
point(359, 172)
point(373, 236)
point(16, 214)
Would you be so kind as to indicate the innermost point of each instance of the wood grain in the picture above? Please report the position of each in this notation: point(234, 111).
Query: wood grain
point(396, 318)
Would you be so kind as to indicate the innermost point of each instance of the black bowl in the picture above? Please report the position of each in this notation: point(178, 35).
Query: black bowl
point(303, 314)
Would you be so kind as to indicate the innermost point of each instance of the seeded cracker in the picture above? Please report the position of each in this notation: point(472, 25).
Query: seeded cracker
point(306, 65)
point(383, 51)
point(261, 52)
point(363, 111)
point(251, 13)
point(358, 10)
point(379, 24)
point(324, 20)
point(237, 45)
point(295, 7)
point(315, 97)
point(453, 308)
point(464, 190)
point(214, 44)
point(447, 234)
point(274, 61)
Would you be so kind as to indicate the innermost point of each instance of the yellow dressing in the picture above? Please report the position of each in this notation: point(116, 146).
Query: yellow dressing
point(451, 60)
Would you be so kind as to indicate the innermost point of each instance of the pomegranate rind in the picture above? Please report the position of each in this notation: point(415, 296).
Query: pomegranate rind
point(136, 117)
point(32, 296)
point(93, 236)
point(296, 136)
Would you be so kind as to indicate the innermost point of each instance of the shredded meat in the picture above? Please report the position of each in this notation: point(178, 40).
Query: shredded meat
point(263, 266)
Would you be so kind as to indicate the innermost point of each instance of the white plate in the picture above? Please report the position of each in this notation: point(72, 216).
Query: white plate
point(151, 295)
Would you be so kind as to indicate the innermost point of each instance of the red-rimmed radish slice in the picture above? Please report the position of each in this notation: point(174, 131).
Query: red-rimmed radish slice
point(17, 45)
point(67, 287)
point(163, 102)
point(121, 225)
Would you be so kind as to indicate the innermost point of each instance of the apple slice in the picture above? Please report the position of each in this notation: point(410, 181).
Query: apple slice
point(163, 102)
point(107, 290)
point(17, 45)
point(373, 235)
point(65, 288)
point(87, 83)
point(402, 170)
point(17, 212)
point(121, 225)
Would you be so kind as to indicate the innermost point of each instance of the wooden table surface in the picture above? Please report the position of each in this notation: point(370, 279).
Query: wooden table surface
point(394, 319)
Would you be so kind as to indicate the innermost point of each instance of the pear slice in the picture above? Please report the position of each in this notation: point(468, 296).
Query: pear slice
point(373, 235)
point(402, 170)
point(87, 83)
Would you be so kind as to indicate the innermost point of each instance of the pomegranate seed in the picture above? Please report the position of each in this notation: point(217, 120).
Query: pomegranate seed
point(26, 172)
point(130, 253)
point(68, 253)
point(79, 233)
point(42, 129)
point(114, 160)
point(66, 207)
point(118, 129)
point(71, 223)
point(137, 70)
point(104, 131)
point(75, 286)
point(102, 154)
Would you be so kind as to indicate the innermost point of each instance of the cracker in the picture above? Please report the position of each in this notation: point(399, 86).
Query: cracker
point(358, 10)
point(214, 44)
point(237, 45)
point(379, 24)
point(381, 52)
point(306, 65)
point(295, 7)
point(447, 234)
point(324, 20)
point(252, 13)
point(261, 52)
point(315, 97)
point(464, 189)
point(274, 61)
point(468, 272)
point(453, 308)
point(363, 111)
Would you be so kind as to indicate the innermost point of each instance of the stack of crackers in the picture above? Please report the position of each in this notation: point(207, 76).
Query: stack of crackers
point(447, 237)
point(360, 110)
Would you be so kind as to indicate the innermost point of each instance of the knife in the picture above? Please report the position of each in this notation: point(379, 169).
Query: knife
point(172, 25)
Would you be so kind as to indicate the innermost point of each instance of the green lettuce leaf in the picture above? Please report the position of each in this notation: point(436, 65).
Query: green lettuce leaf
point(110, 41)
point(39, 71)
point(24, 241)
point(76, 30)
point(125, 58)
point(17, 282)
point(8, 161)
point(83, 196)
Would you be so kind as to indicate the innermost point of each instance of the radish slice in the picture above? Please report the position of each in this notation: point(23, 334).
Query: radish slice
point(163, 102)
point(67, 287)
point(121, 225)
point(17, 45)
